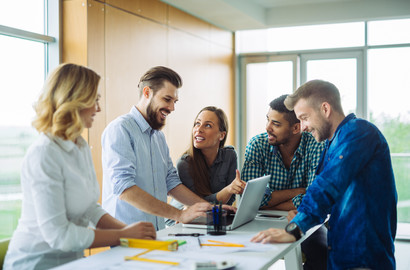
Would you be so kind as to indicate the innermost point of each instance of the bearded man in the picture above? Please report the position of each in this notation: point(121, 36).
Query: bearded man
point(138, 172)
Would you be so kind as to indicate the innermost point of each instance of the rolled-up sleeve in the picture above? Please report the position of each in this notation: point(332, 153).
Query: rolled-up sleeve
point(95, 213)
point(118, 158)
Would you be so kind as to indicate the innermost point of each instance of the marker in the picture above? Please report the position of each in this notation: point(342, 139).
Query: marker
point(186, 234)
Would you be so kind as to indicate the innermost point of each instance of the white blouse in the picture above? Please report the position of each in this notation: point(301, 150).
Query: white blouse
point(60, 194)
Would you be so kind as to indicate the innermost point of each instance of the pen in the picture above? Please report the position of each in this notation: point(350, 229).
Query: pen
point(220, 216)
point(215, 218)
point(221, 244)
point(186, 234)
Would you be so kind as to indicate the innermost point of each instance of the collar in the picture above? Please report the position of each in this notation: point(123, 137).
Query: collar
point(67, 145)
point(140, 120)
point(218, 158)
point(347, 119)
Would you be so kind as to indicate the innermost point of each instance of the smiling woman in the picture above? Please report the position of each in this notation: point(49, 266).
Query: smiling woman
point(59, 184)
point(208, 168)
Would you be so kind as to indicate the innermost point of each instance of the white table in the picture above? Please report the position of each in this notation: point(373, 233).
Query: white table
point(291, 252)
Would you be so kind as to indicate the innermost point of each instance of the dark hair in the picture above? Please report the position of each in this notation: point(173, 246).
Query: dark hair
point(316, 92)
point(279, 106)
point(197, 162)
point(155, 77)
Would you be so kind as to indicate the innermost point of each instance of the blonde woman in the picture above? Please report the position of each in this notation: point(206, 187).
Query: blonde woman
point(59, 185)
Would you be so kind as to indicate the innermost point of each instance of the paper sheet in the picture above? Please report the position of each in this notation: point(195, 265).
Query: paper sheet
point(193, 245)
point(186, 255)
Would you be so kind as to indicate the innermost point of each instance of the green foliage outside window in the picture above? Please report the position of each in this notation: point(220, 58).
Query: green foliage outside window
point(397, 133)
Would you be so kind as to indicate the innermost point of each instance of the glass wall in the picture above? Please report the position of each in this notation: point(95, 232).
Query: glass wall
point(23, 67)
point(372, 73)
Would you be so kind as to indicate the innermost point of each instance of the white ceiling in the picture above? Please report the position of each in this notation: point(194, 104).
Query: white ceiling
point(255, 14)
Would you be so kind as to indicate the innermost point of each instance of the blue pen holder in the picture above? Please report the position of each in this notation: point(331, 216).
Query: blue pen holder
point(216, 221)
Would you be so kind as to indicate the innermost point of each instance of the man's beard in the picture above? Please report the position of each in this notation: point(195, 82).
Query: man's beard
point(277, 143)
point(153, 118)
point(283, 141)
point(323, 132)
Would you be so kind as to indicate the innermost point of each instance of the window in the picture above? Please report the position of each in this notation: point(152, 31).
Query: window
point(301, 38)
point(389, 32)
point(388, 82)
point(372, 73)
point(25, 57)
point(266, 82)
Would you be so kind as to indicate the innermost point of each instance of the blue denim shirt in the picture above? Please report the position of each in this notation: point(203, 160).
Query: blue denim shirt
point(355, 184)
point(134, 154)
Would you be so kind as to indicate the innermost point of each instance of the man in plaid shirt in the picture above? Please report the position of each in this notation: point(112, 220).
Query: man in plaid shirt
point(290, 157)
point(287, 154)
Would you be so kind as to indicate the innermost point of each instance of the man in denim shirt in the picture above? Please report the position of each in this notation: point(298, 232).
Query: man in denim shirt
point(290, 157)
point(354, 184)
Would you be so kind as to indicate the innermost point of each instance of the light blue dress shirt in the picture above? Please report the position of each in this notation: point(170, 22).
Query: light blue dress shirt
point(134, 154)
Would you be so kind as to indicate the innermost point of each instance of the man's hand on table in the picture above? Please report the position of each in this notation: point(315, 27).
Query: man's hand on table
point(273, 236)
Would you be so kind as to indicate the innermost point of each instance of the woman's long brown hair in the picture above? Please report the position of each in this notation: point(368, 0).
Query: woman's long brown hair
point(199, 169)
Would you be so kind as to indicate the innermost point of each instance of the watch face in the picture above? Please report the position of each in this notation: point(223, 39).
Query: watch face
point(291, 226)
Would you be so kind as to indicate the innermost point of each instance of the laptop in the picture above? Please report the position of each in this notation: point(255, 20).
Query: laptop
point(247, 209)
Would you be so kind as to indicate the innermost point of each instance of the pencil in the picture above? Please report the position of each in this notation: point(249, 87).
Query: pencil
point(199, 242)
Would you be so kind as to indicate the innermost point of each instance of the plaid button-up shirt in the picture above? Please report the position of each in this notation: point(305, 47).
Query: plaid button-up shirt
point(261, 158)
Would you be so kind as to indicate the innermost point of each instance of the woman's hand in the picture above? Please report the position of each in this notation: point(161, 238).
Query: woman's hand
point(140, 230)
point(237, 186)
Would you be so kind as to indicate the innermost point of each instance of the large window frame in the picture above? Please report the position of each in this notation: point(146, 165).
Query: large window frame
point(301, 58)
point(51, 39)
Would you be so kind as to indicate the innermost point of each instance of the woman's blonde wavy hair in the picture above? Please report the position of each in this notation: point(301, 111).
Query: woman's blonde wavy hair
point(67, 90)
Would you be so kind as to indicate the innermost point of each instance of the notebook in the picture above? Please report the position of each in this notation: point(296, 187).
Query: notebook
point(247, 209)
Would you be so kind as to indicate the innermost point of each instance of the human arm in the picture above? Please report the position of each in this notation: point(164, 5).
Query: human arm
point(185, 195)
point(291, 215)
point(273, 235)
point(149, 204)
point(63, 194)
point(110, 230)
point(235, 187)
point(282, 199)
point(257, 151)
point(311, 160)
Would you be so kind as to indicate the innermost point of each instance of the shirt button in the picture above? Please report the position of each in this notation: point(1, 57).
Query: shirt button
point(341, 156)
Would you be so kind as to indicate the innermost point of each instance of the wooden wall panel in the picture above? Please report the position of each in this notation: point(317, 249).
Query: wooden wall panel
point(222, 37)
point(189, 56)
point(122, 39)
point(187, 23)
point(96, 61)
point(151, 9)
point(222, 63)
point(207, 73)
point(75, 32)
point(133, 45)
